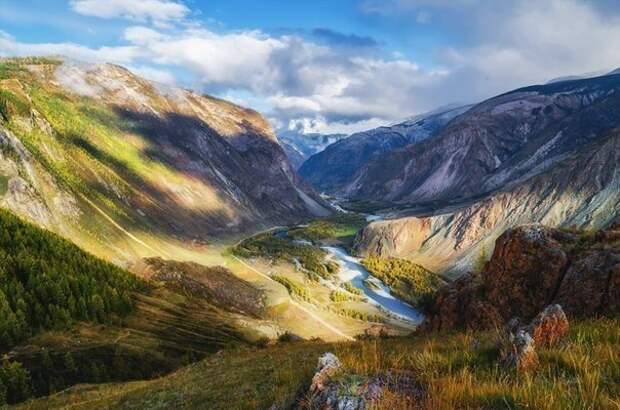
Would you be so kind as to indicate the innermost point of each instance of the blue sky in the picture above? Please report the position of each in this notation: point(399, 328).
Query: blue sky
point(327, 66)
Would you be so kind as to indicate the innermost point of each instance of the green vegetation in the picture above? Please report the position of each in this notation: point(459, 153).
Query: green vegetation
point(46, 282)
point(356, 314)
point(268, 245)
point(407, 280)
point(454, 370)
point(14, 382)
point(352, 289)
point(4, 184)
point(340, 226)
point(295, 289)
point(12, 105)
point(340, 296)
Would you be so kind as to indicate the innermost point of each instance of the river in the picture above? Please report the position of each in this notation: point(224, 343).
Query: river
point(352, 270)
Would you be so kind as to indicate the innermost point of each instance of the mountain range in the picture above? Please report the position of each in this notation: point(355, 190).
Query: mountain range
point(335, 167)
point(127, 168)
point(546, 153)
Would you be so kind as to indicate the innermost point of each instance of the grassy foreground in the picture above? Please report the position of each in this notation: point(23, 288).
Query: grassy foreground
point(455, 370)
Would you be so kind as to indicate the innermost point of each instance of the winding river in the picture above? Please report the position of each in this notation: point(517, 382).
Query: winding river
point(378, 293)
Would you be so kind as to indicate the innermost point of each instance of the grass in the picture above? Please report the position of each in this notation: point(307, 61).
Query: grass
point(407, 280)
point(312, 259)
point(4, 184)
point(456, 370)
point(339, 226)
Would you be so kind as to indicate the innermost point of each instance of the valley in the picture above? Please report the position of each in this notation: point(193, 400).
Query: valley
point(163, 248)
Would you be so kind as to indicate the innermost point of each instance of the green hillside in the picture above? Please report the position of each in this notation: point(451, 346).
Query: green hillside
point(48, 283)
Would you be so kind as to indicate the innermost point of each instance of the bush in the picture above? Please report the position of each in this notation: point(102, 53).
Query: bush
point(310, 258)
point(294, 288)
point(407, 280)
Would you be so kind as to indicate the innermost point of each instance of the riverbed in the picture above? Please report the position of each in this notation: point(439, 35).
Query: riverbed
point(377, 293)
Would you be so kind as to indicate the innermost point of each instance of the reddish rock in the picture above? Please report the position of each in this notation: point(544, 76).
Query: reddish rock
point(549, 326)
point(533, 267)
point(523, 273)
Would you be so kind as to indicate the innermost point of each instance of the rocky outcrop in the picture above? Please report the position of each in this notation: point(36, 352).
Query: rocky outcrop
point(335, 167)
point(333, 389)
point(519, 352)
point(549, 326)
point(533, 267)
point(518, 343)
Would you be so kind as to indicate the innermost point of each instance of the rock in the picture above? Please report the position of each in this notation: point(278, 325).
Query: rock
point(351, 391)
point(328, 366)
point(517, 281)
point(533, 267)
point(549, 326)
point(519, 351)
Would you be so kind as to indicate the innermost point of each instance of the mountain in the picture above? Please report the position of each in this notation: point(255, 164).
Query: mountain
point(559, 171)
point(499, 142)
point(126, 167)
point(332, 169)
point(299, 147)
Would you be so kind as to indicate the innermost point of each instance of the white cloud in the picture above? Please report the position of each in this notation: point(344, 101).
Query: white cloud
point(319, 125)
point(121, 54)
point(140, 10)
point(334, 89)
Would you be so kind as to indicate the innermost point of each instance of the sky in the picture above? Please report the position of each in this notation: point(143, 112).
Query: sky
point(327, 66)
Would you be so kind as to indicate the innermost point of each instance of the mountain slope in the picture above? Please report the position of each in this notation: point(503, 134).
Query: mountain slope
point(502, 141)
point(582, 190)
point(299, 147)
point(332, 169)
point(126, 167)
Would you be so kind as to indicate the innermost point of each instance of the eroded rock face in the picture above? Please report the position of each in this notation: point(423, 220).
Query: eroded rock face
point(533, 267)
point(581, 191)
point(498, 142)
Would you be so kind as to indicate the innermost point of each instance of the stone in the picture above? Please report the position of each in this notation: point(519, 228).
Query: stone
point(549, 326)
point(519, 352)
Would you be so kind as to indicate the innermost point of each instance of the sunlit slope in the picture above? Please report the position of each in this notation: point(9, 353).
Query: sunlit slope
point(126, 167)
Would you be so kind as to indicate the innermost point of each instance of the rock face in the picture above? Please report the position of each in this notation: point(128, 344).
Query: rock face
point(497, 143)
point(121, 164)
point(533, 267)
point(550, 326)
point(582, 190)
point(335, 167)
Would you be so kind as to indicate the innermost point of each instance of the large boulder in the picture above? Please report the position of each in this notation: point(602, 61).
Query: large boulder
point(523, 273)
point(533, 267)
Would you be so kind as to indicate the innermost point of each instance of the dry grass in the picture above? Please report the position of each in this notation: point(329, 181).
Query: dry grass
point(455, 370)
